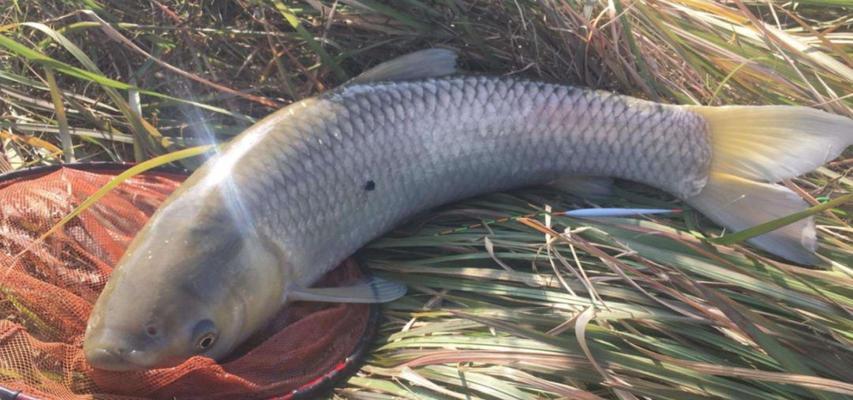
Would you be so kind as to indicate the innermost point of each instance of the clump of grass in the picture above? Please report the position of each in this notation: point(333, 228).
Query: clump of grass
point(515, 307)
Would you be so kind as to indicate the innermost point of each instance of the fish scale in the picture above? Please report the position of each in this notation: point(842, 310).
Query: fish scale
point(429, 142)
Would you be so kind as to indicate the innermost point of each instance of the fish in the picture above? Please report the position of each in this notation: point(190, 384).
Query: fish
point(307, 186)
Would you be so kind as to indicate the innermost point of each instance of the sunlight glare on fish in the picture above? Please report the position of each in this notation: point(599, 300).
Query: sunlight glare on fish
point(221, 176)
point(223, 164)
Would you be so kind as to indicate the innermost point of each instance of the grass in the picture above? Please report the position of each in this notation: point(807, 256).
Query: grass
point(551, 307)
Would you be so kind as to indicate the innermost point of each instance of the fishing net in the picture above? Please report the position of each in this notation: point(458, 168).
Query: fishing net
point(47, 290)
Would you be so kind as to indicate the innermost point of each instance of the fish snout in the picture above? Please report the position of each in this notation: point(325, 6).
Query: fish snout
point(106, 350)
point(109, 359)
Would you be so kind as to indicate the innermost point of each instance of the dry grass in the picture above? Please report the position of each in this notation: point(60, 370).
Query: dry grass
point(626, 309)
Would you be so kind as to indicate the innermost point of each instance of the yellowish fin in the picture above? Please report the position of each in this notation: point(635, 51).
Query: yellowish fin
point(739, 203)
point(754, 147)
point(771, 143)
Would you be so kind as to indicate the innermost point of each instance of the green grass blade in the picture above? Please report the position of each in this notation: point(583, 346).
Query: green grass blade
point(127, 174)
point(294, 22)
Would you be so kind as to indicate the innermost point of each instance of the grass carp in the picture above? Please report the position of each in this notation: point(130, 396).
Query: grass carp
point(307, 186)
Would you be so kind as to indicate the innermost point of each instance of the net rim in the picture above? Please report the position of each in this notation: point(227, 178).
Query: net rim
point(327, 381)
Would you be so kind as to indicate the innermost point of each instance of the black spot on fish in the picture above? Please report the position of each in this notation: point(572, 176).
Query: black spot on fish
point(151, 330)
point(369, 186)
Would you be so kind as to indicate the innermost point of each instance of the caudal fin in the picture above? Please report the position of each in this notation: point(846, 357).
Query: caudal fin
point(752, 148)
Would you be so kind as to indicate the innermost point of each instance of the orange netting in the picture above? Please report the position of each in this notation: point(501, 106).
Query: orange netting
point(46, 294)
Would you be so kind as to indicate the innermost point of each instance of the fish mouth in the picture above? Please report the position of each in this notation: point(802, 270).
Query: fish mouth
point(106, 359)
point(116, 350)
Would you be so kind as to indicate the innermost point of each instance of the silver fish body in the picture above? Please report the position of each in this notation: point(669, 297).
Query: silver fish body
point(326, 175)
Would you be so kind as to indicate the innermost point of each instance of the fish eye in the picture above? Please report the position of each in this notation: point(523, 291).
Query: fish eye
point(206, 341)
point(205, 334)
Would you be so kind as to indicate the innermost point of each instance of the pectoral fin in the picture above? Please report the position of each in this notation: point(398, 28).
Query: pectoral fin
point(369, 290)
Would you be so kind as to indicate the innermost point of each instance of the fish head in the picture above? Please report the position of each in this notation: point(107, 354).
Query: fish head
point(190, 284)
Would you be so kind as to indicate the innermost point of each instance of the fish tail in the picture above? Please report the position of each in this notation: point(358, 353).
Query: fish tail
point(752, 148)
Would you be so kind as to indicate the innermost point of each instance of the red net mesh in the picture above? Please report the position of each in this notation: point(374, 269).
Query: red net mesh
point(46, 294)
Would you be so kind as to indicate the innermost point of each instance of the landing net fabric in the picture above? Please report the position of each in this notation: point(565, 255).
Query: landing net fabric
point(47, 292)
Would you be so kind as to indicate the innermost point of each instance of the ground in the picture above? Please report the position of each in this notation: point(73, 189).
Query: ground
point(641, 308)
